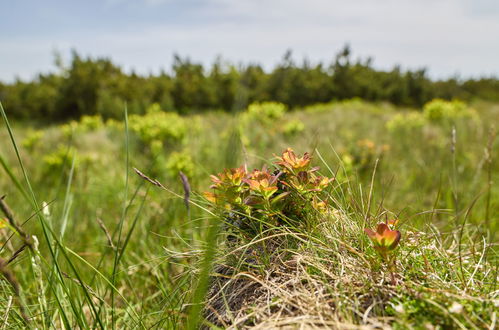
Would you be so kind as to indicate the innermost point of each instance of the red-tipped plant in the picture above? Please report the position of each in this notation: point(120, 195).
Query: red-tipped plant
point(385, 241)
point(291, 163)
point(262, 183)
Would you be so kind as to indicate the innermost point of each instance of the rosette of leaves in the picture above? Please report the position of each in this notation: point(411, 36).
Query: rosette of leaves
point(385, 241)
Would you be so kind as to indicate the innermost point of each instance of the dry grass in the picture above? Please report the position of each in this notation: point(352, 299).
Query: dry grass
point(291, 280)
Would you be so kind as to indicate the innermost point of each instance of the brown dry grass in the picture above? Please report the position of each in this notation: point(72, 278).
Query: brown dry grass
point(294, 288)
point(330, 279)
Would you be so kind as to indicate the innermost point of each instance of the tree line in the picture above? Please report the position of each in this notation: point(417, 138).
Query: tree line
point(91, 86)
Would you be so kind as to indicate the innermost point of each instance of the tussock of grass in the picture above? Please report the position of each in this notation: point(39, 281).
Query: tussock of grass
point(322, 271)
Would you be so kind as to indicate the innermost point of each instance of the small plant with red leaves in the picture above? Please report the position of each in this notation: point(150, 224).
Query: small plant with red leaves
point(292, 164)
point(287, 193)
point(262, 183)
point(385, 241)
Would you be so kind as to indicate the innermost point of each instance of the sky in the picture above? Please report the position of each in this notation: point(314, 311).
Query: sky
point(448, 37)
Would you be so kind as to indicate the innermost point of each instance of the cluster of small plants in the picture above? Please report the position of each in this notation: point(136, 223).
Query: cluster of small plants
point(289, 194)
point(263, 198)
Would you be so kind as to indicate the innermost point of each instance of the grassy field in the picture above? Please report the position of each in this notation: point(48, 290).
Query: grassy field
point(91, 244)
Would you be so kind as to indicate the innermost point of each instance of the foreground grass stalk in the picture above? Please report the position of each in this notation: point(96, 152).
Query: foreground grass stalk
point(122, 220)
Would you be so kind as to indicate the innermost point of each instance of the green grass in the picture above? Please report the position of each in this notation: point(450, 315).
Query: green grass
point(113, 251)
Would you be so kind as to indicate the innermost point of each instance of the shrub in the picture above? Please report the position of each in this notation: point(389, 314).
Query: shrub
point(406, 121)
point(115, 124)
point(439, 110)
point(156, 125)
point(260, 117)
point(32, 139)
point(62, 156)
point(180, 162)
point(69, 128)
point(85, 124)
point(266, 112)
point(293, 127)
point(90, 123)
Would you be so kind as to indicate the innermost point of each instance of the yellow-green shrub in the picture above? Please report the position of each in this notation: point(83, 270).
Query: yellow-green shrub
point(293, 127)
point(32, 139)
point(440, 110)
point(156, 125)
point(61, 156)
point(180, 161)
point(259, 117)
point(406, 121)
point(115, 124)
point(266, 111)
point(85, 124)
point(91, 123)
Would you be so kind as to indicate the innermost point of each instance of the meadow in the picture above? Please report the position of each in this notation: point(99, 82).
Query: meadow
point(90, 242)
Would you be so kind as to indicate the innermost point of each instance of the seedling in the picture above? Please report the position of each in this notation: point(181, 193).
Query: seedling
point(385, 242)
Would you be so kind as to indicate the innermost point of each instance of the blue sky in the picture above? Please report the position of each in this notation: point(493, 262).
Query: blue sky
point(449, 37)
